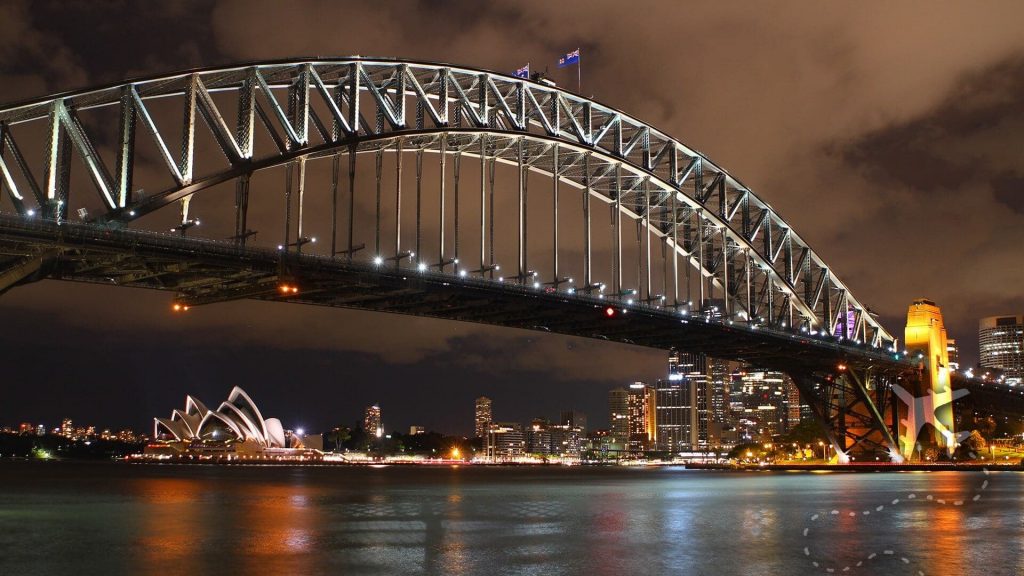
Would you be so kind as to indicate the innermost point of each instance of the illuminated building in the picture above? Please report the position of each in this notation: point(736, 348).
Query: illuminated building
point(720, 376)
point(505, 441)
point(1001, 346)
point(40, 430)
point(538, 437)
point(642, 417)
point(674, 404)
point(482, 418)
point(618, 417)
point(372, 422)
point(795, 409)
point(235, 429)
point(417, 430)
point(67, 428)
point(763, 409)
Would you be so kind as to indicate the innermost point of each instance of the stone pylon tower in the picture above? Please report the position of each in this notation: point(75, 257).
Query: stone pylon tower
point(925, 336)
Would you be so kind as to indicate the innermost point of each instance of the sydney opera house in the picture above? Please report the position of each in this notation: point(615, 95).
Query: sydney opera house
point(236, 429)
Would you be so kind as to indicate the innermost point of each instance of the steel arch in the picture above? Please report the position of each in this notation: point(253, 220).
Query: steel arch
point(281, 110)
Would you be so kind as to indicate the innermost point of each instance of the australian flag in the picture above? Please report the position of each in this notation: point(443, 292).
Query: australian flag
point(569, 59)
point(523, 72)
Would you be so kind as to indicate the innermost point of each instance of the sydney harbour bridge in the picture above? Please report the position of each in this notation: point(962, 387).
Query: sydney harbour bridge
point(442, 191)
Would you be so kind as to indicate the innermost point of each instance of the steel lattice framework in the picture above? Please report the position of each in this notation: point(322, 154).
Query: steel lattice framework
point(745, 254)
point(762, 294)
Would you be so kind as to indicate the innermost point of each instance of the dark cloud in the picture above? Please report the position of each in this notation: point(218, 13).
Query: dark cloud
point(950, 145)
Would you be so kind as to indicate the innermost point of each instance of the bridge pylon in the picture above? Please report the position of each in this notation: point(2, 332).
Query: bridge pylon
point(929, 399)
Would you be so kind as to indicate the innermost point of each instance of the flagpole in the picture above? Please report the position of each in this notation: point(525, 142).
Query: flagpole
point(579, 72)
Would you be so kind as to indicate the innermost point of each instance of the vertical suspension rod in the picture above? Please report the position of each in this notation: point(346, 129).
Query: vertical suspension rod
point(379, 166)
point(554, 215)
point(440, 217)
point(398, 202)
point(351, 200)
point(587, 276)
point(483, 204)
point(419, 202)
point(335, 170)
point(617, 235)
point(522, 211)
point(300, 238)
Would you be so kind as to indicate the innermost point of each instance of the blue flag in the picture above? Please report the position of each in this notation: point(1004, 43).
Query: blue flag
point(569, 59)
point(523, 72)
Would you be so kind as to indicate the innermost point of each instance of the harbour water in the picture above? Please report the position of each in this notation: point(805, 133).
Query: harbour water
point(113, 518)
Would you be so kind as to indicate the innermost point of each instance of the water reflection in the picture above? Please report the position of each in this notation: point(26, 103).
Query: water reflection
point(199, 521)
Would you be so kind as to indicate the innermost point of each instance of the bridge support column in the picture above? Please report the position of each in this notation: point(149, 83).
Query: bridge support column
point(851, 407)
point(930, 399)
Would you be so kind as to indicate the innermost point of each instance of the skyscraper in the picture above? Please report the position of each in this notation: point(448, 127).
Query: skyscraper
point(1001, 345)
point(642, 418)
point(574, 419)
point(694, 371)
point(618, 414)
point(372, 422)
point(483, 418)
point(674, 412)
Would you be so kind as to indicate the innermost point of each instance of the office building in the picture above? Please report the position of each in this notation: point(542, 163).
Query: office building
point(505, 441)
point(482, 418)
point(618, 415)
point(1001, 346)
point(674, 411)
point(574, 419)
point(372, 422)
point(642, 418)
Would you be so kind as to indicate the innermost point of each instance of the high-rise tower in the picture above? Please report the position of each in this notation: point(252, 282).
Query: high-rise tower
point(483, 418)
point(1001, 344)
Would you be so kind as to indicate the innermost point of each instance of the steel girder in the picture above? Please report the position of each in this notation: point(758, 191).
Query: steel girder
point(744, 252)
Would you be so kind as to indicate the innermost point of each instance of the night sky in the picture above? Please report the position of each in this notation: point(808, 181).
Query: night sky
point(890, 137)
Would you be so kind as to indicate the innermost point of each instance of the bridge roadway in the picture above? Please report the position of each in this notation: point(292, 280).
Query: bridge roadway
point(203, 272)
point(846, 384)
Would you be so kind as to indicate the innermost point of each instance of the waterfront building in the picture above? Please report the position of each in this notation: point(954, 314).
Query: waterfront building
point(618, 415)
point(719, 375)
point(482, 417)
point(505, 441)
point(538, 437)
point(763, 409)
point(1001, 346)
point(372, 422)
point(566, 440)
point(642, 417)
point(235, 429)
point(674, 408)
point(67, 428)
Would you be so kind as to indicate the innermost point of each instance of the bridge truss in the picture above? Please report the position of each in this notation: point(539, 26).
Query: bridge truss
point(655, 226)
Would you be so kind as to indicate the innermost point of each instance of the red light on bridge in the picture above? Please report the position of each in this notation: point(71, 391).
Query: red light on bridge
point(609, 312)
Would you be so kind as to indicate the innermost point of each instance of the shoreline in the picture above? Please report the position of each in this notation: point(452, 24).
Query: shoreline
point(813, 468)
